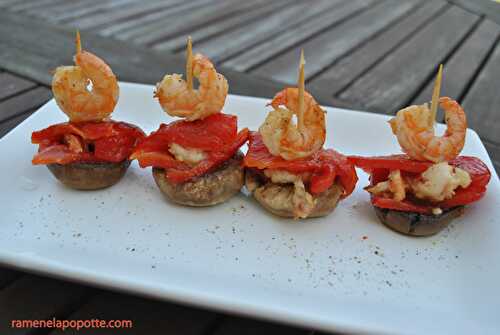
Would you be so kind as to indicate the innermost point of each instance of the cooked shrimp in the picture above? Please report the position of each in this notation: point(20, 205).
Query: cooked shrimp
point(70, 86)
point(177, 99)
point(285, 138)
point(414, 129)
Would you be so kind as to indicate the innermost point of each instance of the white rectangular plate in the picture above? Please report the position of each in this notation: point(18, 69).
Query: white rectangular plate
point(344, 272)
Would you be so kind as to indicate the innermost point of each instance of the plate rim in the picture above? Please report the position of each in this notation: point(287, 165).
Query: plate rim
point(212, 302)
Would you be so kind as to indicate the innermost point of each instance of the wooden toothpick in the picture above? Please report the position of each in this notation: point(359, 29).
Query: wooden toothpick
point(189, 63)
point(301, 86)
point(78, 42)
point(435, 95)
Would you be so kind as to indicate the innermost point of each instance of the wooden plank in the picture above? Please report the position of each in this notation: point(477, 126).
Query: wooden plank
point(44, 40)
point(55, 14)
point(8, 276)
point(461, 68)
point(483, 99)
point(490, 9)
point(8, 125)
point(29, 6)
point(36, 298)
point(11, 85)
point(324, 49)
point(82, 11)
point(148, 316)
point(178, 44)
point(8, 3)
point(240, 326)
point(108, 18)
point(246, 36)
point(494, 152)
point(197, 17)
point(26, 64)
point(24, 102)
point(395, 80)
point(54, 45)
point(125, 30)
point(351, 66)
point(53, 11)
point(271, 48)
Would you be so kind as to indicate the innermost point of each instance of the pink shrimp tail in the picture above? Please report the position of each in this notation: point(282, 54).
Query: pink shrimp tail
point(281, 98)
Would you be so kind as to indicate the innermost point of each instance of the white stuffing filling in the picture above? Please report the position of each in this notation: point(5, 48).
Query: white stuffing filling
point(188, 156)
point(435, 184)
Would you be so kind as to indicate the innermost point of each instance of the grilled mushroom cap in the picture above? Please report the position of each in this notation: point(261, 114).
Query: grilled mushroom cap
point(89, 176)
point(416, 224)
point(206, 190)
point(276, 198)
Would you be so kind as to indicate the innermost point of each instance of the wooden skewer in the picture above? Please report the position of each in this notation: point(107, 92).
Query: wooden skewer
point(301, 86)
point(78, 42)
point(435, 95)
point(189, 63)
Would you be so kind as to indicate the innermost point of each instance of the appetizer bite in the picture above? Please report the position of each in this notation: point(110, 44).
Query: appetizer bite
point(90, 151)
point(287, 170)
point(196, 161)
point(418, 193)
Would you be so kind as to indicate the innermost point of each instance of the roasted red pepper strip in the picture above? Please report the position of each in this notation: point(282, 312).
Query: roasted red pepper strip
point(212, 133)
point(55, 133)
point(380, 167)
point(322, 179)
point(345, 170)
point(158, 159)
point(326, 166)
point(59, 154)
point(393, 162)
point(216, 135)
point(114, 148)
point(64, 143)
point(405, 206)
point(478, 171)
point(98, 130)
point(215, 158)
point(480, 176)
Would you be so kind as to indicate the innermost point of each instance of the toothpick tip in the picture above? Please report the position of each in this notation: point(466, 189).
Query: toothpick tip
point(189, 63)
point(435, 94)
point(78, 42)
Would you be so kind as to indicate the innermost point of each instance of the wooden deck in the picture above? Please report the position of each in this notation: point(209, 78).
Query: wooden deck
point(361, 54)
point(375, 55)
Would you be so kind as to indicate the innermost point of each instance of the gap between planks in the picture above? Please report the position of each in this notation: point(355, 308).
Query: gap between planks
point(447, 56)
point(325, 48)
point(392, 83)
point(349, 68)
point(293, 38)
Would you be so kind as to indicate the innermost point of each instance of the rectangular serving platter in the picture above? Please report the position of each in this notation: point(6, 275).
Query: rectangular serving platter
point(345, 272)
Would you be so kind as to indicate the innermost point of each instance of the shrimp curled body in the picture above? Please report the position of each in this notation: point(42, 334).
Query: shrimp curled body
point(283, 137)
point(415, 132)
point(177, 99)
point(71, 92)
